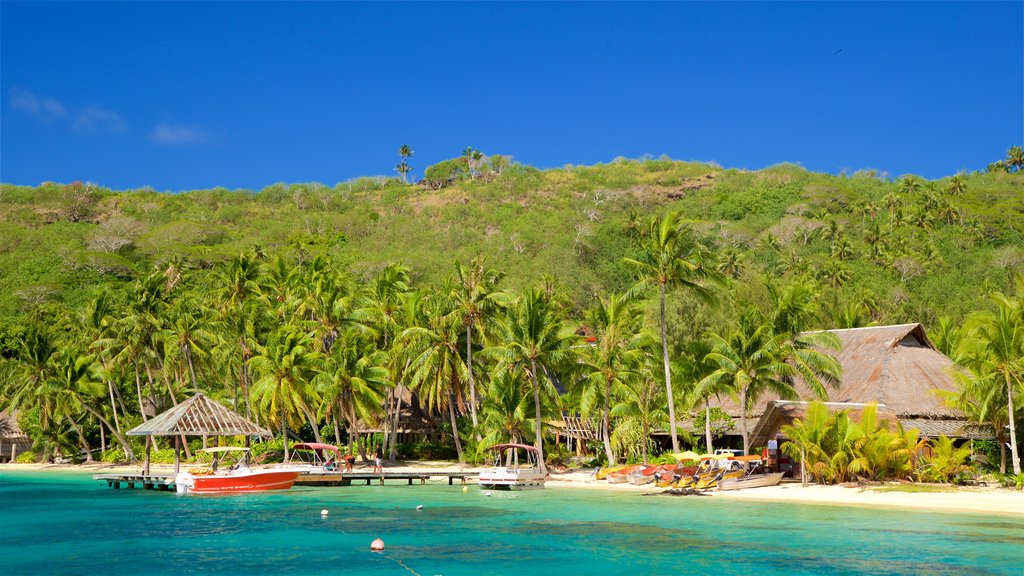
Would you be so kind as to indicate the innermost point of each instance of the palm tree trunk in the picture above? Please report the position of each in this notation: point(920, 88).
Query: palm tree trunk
point(337, 430)
point(81, 440)
point(668, 375)
point(538, 441)
point(1002, 454)
point(606, 428)
point(472, 381)
point(455, 428)
point(392, 452)
point(117, 434)
point(138, 389)
point(743, 417)
point(284, 431)
point(191, 367)
point(312, 424)
point(113, 406)
point(1014, 455)
point(707, 426)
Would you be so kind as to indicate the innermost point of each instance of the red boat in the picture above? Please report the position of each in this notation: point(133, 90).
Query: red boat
point(229, 474)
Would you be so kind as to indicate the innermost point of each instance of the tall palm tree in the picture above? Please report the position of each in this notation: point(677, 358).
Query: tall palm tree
point(438, 370)
point(505, 408)
point(993, 353)
point(352, 382)
point(535, 342)
point(285, 366)
point(640, 408)
point(1015, 158)
point(619, 347)
point(670, 257)
point(403, 168)
point(478, 298)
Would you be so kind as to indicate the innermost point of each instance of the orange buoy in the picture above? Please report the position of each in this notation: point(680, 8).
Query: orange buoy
point(377, 545)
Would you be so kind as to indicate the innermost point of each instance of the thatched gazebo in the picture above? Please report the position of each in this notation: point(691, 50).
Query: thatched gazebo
point(197, 416)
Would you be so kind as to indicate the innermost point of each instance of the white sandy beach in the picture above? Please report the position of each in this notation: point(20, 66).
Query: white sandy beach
point(990, 500)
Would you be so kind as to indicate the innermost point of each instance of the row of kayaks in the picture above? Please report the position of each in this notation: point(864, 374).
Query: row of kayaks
point(723, 472)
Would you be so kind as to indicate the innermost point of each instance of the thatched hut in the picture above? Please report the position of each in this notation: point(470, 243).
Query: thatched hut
point(197, 416)
point(896, 367)
point(12, 440)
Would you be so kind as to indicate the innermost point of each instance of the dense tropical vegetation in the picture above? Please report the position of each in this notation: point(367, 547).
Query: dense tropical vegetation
point(638, 294)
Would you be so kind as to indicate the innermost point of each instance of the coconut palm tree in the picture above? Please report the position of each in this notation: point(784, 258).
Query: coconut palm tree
point(619, 347)
point(639, 408)
point(670, 257)
point(535, 342)
point(478, 299)
point(993, 353)
point(438, 371)
point(285, 366)
point(1015, 158)
point(958, 184)
point(505, 409)
point(352, 382)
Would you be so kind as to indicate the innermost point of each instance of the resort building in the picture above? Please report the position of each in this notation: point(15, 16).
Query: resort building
point(13, 441)
point(896, 367)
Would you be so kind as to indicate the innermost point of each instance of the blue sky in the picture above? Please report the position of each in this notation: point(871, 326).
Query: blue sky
point(192, 95)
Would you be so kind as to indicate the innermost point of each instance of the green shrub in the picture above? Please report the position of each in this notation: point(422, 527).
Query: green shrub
point(26, 458)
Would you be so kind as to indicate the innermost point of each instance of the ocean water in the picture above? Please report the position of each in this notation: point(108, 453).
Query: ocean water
point(66, 523)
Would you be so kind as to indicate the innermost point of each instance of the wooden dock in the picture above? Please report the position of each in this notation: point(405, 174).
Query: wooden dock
point(147, 482)
point(165, 482)
point(349, 478)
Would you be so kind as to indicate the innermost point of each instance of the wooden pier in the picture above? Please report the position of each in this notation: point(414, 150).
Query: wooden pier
point(349, 478)
point(165, 482)
point(146, 481)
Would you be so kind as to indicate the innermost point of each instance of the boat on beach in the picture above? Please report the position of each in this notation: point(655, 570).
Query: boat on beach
point(754, 475)
point(228, 473)
point(511, 473)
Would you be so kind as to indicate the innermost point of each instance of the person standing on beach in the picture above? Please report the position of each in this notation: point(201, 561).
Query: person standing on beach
point(378, 466)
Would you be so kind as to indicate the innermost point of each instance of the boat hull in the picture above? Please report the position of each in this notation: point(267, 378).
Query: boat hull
point(236, 483)
point(757, 481)
point(510, 479)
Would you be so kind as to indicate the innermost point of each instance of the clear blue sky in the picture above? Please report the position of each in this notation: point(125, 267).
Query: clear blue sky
point(189, 95)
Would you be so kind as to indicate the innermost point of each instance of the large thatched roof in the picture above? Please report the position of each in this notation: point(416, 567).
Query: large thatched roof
point(199, 416)
point(892, 365)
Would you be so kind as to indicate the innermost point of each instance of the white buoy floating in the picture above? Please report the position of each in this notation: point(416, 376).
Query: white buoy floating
point(487, 494)
point(323, 512)
point(377, 545)
point(420, 507)
point(465, 488)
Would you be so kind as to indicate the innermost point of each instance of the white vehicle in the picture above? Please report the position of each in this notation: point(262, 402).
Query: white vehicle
point(509, 473)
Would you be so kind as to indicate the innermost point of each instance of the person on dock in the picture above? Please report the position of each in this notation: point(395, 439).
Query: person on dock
point(378, 461)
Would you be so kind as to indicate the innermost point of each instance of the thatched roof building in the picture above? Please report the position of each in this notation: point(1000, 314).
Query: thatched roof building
point(12, 440)
point(199, 416)
point(894, 366)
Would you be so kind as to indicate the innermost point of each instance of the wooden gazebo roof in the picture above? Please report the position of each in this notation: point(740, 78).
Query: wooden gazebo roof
point(199, 416)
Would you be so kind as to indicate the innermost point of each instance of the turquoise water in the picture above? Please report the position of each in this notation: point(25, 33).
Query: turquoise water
point(66, 523)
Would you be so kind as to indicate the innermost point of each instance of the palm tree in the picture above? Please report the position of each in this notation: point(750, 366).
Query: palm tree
point(1015, 158)
point(615, 356)
point(352, 382)
point(909, 185)
point(535, 340)
point(404, 152)
point(478, 298)
point(438, 371)
point(670, 256)
point(958, 184)
point(505, 408)
point(641, 399)
point(993, 353)
point(285, 366)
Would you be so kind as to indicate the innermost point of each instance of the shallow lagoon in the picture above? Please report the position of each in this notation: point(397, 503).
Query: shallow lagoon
point(66, 523)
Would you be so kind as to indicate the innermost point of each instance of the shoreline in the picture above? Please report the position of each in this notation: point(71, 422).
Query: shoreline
point(993, 501)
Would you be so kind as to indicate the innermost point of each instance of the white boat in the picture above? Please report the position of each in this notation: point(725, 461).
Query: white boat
point(228, 473)
point(754, 476)
point(509, 473)
point(751, 481)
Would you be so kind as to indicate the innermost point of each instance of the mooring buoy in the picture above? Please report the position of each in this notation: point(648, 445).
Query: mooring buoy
point(377, 545)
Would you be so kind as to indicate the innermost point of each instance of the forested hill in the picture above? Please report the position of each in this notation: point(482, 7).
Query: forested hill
point(882, 250)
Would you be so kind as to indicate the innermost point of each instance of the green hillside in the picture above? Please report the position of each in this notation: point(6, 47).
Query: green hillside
point(883, 250)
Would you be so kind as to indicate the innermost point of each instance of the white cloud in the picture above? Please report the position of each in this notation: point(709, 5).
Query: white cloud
point(178, 135)
point(45, 109)
point(96, 119)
